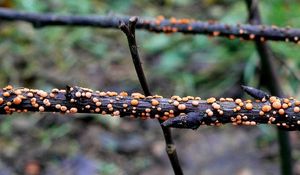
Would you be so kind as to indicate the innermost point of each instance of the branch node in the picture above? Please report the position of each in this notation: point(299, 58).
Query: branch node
point(68, 92)
point(255, 93)
point(132, 22)
point(170, 148)
point(124, 28)
point(190, 120)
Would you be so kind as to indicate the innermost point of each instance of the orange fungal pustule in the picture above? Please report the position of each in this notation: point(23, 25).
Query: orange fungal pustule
point(209, 112)
point(238, 101)
point(6, 94)
point(281, 111)
point(249, 106)
point(134, 102)
point(88, 95)
point(41, 108)
point(296, 109)
point(154, 102)
point(276, 105)
point(216, 106)
point(123, 94)
point(74, 110)
point(266, 108)
point(175, 103)
point(8, 87)
point(285, 105)
point(211, 100)
point(272, 99)
point(181, 107)
point(63, 108)
point(261, 113)
point(17, 100)
point(195, 102)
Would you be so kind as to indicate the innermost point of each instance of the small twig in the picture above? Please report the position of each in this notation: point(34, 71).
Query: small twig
point(256, 93)
point(129, 31)
point(269, 78)
point(160, 24)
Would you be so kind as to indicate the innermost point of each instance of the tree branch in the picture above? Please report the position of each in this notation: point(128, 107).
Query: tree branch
point(284, 112)
point(160, 24)
point(129, 31)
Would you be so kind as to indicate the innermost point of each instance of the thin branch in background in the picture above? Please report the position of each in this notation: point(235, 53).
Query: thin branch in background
point(269, 78)
point(160, 24)
point(129, 31)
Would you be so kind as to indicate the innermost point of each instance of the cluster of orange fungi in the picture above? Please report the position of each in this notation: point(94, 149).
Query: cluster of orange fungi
point(75, 99)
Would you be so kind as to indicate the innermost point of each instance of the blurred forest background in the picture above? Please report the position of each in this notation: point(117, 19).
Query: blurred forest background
point(178, 64)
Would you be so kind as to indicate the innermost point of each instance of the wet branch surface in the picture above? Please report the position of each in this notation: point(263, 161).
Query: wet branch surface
point(160, 24)
point(181, 112)
point(129, 31)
